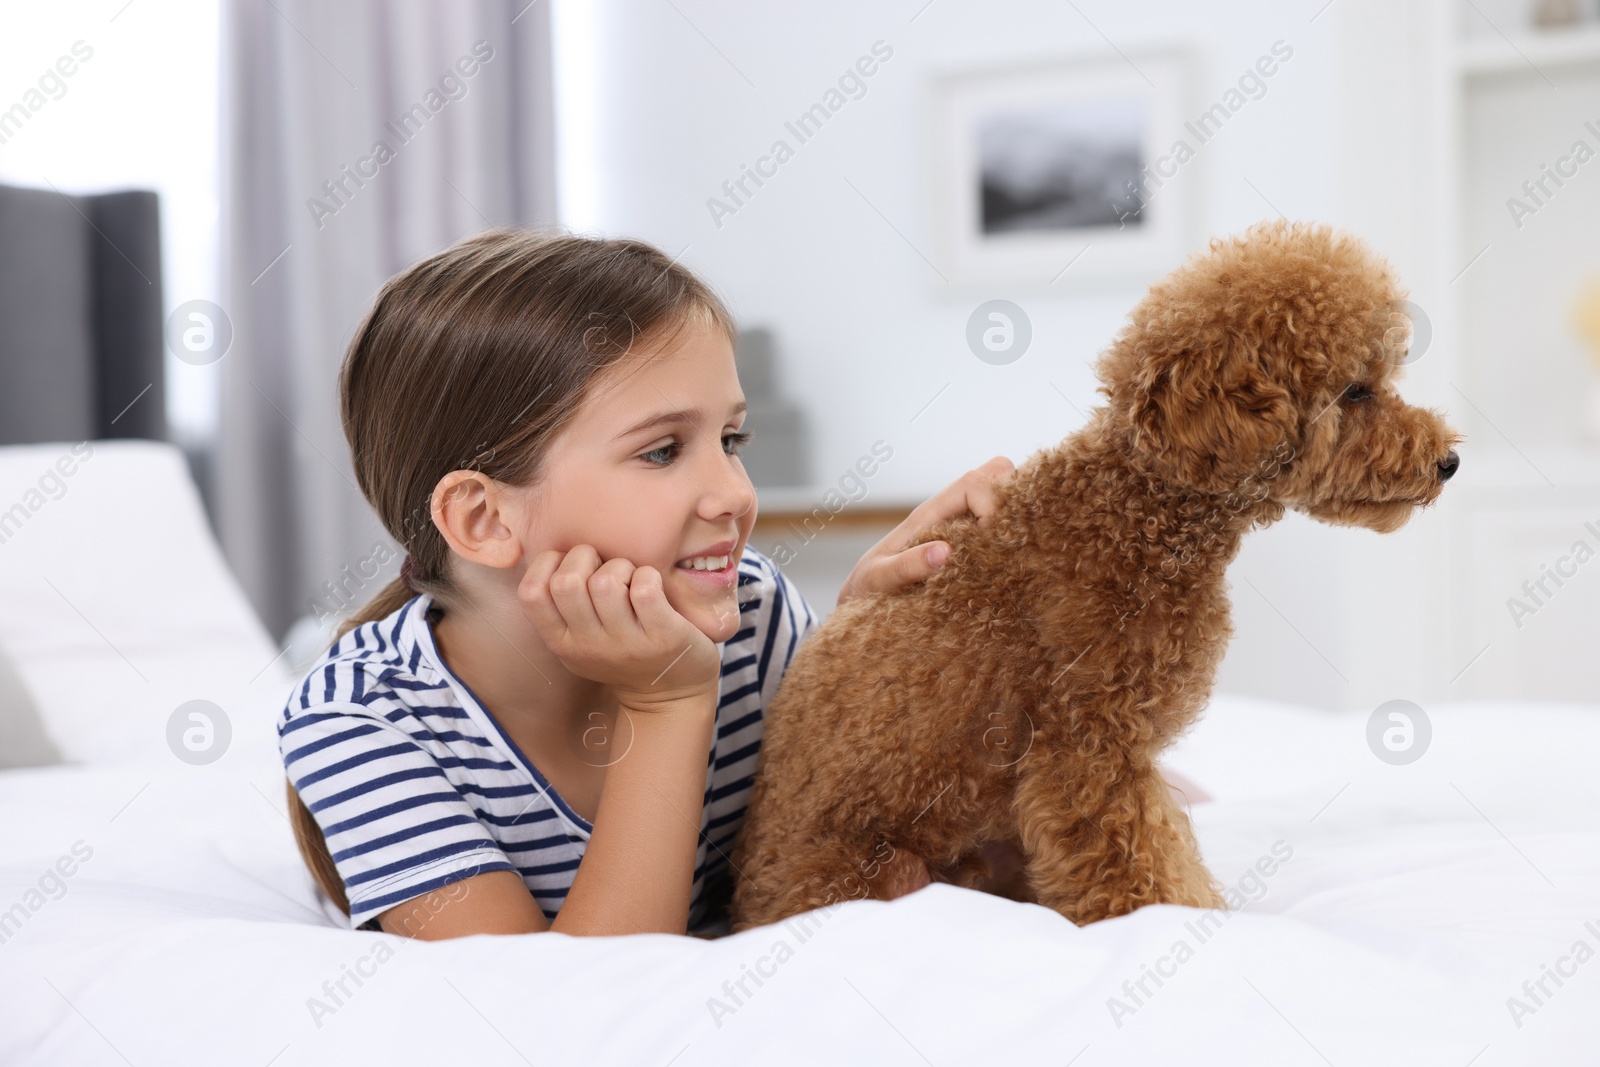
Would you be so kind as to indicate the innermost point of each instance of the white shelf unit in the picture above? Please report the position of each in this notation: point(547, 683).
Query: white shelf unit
point(1528, 52)
point(1511, 101)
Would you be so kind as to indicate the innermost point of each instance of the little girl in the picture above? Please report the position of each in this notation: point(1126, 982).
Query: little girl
point(550, 721)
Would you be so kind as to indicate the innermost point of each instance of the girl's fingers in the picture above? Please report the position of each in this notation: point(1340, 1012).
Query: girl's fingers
point(973, 492)
point(892, 564)
point(656, 615)
point(569, 588)
point(663, 623)
point(608, 589)
point(537, 603)
point(611, 622)
point(911, 566)
point(982, 494)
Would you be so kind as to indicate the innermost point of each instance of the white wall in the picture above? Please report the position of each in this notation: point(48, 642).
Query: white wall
point(663, 102)
point(865, 339)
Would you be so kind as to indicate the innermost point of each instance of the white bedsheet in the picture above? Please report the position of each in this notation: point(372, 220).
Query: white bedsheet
point(1416, 901)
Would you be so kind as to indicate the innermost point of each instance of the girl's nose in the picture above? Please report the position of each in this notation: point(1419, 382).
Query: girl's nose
point(732, 493)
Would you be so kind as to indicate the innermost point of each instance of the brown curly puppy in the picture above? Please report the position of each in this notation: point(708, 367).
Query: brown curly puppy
point(1010, 710)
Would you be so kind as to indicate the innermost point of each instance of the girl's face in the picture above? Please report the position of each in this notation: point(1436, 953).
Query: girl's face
point(648, 470)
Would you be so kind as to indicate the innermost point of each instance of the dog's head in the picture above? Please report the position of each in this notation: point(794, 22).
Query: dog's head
point(1264, 369)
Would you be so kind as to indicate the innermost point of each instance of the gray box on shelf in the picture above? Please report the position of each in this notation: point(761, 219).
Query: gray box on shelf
point(779, 454)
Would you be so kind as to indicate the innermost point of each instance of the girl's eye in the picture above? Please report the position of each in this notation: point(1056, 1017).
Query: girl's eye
point(663, 456)
point(1356, 392)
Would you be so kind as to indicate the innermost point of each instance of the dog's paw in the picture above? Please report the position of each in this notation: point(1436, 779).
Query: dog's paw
point(903, 874)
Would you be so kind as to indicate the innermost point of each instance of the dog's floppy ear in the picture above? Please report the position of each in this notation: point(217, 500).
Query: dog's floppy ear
point(1212, 417)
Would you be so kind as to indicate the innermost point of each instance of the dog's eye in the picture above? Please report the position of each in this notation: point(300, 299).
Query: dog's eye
point(1355, 392)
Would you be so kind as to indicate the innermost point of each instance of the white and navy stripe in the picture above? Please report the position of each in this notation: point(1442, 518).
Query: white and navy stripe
point(415, 785)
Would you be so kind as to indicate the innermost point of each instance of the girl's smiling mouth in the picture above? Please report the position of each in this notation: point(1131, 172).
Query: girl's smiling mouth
point(714, 564)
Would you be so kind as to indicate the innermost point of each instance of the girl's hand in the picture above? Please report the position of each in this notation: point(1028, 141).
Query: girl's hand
point(611, 622)
point(889, 565)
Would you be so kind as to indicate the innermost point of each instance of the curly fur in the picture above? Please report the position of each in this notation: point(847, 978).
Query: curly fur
point(1010, 710)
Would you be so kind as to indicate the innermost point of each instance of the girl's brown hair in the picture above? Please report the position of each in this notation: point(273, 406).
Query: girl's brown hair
point(476, 358)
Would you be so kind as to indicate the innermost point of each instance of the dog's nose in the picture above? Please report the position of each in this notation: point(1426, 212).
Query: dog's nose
point(1448, 466)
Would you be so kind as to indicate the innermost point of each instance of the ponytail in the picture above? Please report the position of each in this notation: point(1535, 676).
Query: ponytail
point(307, 834)
point(314, 849)
point(390, 599)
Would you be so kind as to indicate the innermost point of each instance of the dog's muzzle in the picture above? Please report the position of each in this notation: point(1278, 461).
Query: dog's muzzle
point(1448, 465)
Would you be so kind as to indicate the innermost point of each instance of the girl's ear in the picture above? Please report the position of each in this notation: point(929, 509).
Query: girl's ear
point(478, 518)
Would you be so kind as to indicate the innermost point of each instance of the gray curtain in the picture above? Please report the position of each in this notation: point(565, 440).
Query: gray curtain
point(358, 138)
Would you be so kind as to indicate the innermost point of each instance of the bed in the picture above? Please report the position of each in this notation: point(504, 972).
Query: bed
point(153, 909)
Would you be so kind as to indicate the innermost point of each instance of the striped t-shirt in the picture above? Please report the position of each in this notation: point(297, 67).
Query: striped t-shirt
point(415, 785)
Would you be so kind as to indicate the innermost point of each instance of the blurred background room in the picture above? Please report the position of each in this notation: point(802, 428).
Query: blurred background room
point(929, 216)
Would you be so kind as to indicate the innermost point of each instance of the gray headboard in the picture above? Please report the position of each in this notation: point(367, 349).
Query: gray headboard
point(80, 316)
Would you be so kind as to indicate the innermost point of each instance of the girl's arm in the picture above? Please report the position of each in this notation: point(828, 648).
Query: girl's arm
point(637, 873)
point(610, 622)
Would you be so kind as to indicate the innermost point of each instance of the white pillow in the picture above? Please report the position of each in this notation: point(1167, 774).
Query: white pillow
point(23, 742)
point(119, 607)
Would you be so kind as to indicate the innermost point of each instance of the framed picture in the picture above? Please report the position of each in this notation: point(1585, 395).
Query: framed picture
point(1063, 172)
